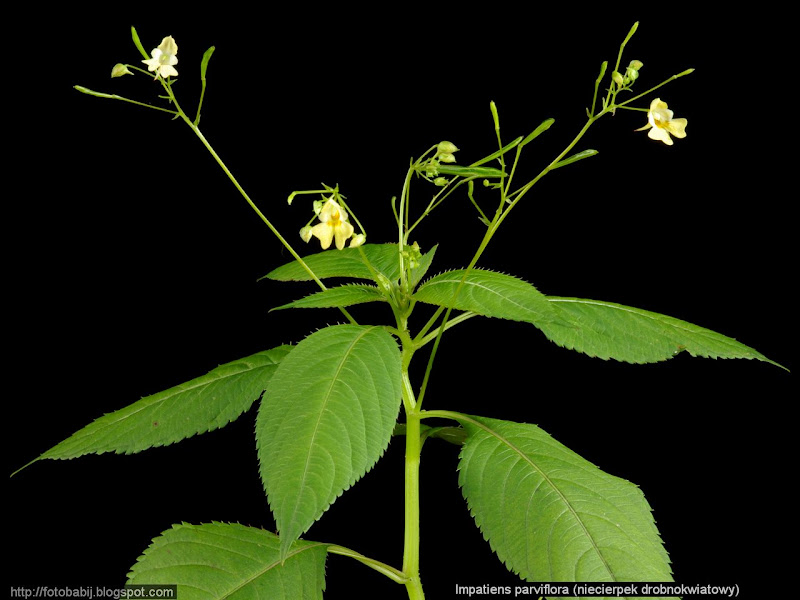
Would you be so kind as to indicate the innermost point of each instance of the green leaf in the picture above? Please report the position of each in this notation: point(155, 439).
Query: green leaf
point(326, 418)
point(418, 272)
point(223, 560)
point(200, 405)
point(343, 263)
point(138, 43)
point(204, 64)
point(490, 294)
point(488, 172)
point(497, 154)
point(544, 126)
point(549, 514)
point(345, 295)
point(574, 158)
point(606, 330)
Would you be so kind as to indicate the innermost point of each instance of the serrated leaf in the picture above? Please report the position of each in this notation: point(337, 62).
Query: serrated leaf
point(607, 330)
point(490, 294)
point(345, 295)
point(222, 560)
point(326, 418)
point(197, 406)
point(343, 263)
point(549, 514)
point(418, 272)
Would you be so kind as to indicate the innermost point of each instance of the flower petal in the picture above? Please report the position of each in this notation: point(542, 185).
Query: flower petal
point(660, 135)
point(343, 232)
point(324, 233)
point(168, 45)
point(677, 127)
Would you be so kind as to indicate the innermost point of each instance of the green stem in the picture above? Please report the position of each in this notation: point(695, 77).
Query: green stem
point(249, 200)
point(490, 231)
point(89, 92)
point(451, 323)
point(383, 568)
point(411, 535)
point(655, 87)
point(252, 204)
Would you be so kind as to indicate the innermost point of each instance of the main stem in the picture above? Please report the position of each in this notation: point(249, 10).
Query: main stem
point(411, 538)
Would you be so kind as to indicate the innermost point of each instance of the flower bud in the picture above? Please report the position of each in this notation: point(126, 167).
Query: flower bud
point(617, 79)
point(446, 148)
point(305, 233)
point(440, 181)
point(632, 73)
point(432, 168)
point(447, 158)
point(358, 240)
point(318, 204)
point(119, 70)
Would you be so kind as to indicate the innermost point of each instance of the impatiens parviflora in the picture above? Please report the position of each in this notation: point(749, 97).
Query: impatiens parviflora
point(164, 58)
point(661, 124)
point(333, 225)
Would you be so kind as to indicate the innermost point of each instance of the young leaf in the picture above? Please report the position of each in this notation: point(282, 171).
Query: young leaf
point(138, 43)
point(549, 514)
point(574, 158)
point(204, 64)
point(544, 126)
point(606, 330)
point(418, 272)
point(490, 294)
point(345, 295)
point(200, 405)
point(227, 560)
point(458, 170)
point(343, 263)
point(498, 153)
point(326, 418)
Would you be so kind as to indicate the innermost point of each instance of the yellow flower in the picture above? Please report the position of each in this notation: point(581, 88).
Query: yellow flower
point(661, 124)
point(164, 58)
point(333, 223)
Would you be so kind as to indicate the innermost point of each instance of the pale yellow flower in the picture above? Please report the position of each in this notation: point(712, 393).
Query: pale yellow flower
point(333, 224)
point(661, 124)
point(164, 59)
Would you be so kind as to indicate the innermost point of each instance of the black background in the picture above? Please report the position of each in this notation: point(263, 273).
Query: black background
point(133, 266)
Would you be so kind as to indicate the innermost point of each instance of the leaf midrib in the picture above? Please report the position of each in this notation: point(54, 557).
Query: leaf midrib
point(345, 357)
point(488, 289)
point(574, 513)
point(272, 565)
